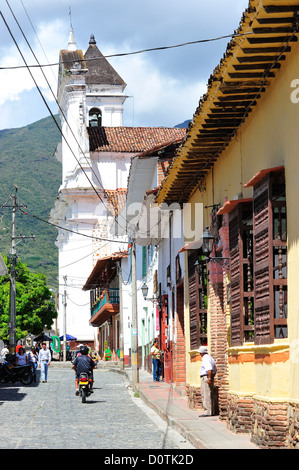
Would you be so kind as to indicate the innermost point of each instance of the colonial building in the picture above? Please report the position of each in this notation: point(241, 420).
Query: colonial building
point(158, 236)
point(90, 95)
point(103, 281)
point(96, 153)
point(240, 162)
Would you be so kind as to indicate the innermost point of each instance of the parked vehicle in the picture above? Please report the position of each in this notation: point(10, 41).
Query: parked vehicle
point(11, 373)
point(84, 386)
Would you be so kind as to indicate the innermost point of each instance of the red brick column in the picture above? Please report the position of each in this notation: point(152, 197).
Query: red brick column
point(179, 348)
point(218, 344)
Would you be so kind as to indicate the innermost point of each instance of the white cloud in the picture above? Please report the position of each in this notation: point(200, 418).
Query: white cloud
point(166, 85)
point(16, 81)
point(159, 99)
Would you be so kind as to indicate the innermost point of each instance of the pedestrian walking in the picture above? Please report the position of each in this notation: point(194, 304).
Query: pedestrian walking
point(44, 360)
point(33, 359)
point(207, 373)
point(156, 361)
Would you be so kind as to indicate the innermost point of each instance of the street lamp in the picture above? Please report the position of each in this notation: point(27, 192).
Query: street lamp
point(207, 242)
point(207, 248)
point(144, 290)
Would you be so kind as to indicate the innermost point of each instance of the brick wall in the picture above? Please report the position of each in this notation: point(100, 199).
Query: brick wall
point(163, 165)
point(194, 397)
point(272, 425)
point(218, 344)
point(179, 348)
point(239, 414)
point(218, 349)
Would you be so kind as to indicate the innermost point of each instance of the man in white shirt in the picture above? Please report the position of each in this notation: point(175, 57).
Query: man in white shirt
point(207, 372)
point(44, 359)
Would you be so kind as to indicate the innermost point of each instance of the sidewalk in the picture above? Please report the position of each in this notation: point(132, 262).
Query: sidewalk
point(171, 405)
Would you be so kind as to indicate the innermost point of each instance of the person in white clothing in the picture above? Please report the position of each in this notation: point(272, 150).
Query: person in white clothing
point(207, 372)
point(21, 358)
point(44, 360)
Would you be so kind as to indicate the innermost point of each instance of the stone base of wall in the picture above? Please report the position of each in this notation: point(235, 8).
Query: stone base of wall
point(194, 397)
point(239, 414)
point(293, 415)
point(271, 425)
point(195, 401)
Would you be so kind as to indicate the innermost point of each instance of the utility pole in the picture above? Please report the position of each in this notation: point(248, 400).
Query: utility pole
point(134, 355)
point(13, 263)
point(64, 319)
point(12, 294)
point(121, 318)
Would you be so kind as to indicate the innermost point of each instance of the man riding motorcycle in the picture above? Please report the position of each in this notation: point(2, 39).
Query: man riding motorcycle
point(83, 363)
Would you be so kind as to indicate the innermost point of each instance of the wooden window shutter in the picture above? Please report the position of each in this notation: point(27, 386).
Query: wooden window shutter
point(194, 321)
point(197, 299)
point(241, 270)
point(235, 278)
point(262, 241)
point(279, 256)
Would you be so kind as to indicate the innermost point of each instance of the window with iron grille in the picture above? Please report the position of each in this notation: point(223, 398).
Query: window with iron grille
point(258, 264)
point(241, 274)
point(270, 258)
point(197, 272)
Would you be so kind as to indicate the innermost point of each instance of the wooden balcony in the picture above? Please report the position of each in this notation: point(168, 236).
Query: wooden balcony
point(106, 306)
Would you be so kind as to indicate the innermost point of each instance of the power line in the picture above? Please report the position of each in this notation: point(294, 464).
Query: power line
point(72, 231)
point(54, 96)
point(142, 51)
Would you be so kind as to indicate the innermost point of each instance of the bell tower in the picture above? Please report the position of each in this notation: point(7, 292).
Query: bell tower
point(90, 94)
point(104, 89)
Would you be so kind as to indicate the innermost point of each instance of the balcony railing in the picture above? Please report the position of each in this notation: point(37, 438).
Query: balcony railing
point(109, 296)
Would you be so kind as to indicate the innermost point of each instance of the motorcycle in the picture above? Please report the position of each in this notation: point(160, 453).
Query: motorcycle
point(10, 373)
point(84, 386)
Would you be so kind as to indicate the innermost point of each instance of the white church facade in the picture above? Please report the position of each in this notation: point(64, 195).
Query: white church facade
point(96, 153)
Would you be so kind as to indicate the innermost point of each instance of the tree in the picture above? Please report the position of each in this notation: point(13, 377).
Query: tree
point(34, 309)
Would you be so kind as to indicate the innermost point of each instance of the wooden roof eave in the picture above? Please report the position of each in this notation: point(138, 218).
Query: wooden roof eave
point(224, 108)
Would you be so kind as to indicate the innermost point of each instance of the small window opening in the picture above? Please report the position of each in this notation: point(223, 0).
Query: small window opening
point(95, 117)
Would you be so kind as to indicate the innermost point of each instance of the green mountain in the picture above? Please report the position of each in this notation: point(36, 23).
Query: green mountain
point(27, 161)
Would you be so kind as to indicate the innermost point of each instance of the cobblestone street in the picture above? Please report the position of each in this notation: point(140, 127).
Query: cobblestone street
point(50, 416)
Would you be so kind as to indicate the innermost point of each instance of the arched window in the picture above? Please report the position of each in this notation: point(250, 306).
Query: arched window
point(95, 117)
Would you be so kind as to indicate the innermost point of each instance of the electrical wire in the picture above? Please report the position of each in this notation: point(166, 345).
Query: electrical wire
point(53, 117)
point(142, 51)
point(234, 132)
point(69, 230)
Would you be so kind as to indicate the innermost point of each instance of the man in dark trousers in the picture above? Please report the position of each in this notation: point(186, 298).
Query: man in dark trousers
point(83, 363)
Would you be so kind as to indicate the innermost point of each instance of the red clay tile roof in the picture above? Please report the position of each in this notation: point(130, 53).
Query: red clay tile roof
point(131, 139)
point(116, 199)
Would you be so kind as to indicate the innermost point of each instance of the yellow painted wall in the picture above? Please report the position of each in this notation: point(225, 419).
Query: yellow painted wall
point(268, 138)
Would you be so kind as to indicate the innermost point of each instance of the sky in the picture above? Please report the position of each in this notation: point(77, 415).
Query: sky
point(164, 87)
